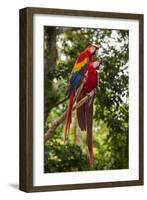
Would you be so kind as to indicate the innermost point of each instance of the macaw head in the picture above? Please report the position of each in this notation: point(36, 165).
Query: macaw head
point(92, 49)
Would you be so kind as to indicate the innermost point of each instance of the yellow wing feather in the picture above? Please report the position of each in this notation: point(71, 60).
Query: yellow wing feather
point(78, 66)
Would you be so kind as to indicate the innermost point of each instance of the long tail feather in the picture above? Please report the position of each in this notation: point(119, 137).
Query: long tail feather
point(69, 116)
point(90, 149)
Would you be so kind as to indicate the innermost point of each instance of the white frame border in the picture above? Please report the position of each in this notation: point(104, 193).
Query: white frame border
point(40, 178)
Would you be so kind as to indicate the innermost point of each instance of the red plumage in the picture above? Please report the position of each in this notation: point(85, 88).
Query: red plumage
point(75, 79)
point(91, 80)
point(85, 54)
point(85, 112)
point(69, 115)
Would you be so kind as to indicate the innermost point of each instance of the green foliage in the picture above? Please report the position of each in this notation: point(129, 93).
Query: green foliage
point(110, 120)
point(64, 158)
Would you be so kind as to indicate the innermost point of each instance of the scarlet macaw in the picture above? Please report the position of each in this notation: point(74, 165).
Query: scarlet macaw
point(85, 112)
point(78, 71)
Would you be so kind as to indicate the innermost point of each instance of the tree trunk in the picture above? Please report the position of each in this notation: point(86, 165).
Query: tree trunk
point(50, 55)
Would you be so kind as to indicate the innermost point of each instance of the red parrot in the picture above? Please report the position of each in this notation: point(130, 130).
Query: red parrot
point(79, 69)
point(85, 112)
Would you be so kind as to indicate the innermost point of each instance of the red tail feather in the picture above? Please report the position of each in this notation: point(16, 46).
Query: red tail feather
point(69, 116)
point(90, 148)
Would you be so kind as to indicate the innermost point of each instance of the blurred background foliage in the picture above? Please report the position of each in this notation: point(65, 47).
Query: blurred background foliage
point(62, 45)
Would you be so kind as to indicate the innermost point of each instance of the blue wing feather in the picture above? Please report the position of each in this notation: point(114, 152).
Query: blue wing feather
point(75, 79)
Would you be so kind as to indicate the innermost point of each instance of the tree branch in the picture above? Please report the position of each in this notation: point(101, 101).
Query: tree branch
point(58, 121)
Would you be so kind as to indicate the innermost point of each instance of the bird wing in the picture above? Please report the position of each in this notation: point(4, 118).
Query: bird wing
point(75, 79)
point(78, 72)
